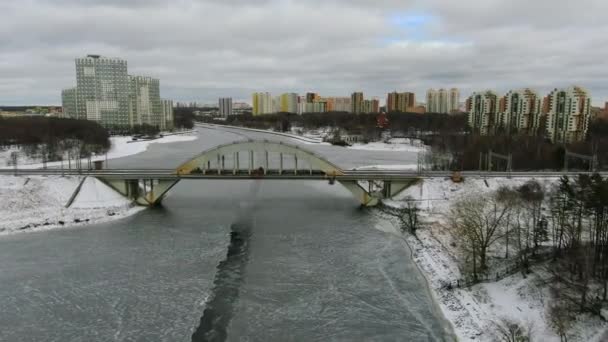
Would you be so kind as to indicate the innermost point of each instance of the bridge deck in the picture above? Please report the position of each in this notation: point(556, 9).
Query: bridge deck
point(166, 174)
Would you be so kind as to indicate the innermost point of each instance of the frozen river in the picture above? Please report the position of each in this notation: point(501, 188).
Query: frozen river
point(235, 261)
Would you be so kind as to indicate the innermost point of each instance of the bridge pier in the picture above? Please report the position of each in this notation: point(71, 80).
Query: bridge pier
point(235, 163)
point(250, 162)
point(148, 192)
point(362, 195)
point(369, 197)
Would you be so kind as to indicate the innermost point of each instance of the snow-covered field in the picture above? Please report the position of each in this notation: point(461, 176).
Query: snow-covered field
point(38, 203)
point(121, 147)
point(475, 312)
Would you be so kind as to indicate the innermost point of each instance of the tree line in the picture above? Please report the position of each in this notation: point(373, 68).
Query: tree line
point(51, 138)
point(449, 135)
point(184, 117)
point(42, 130)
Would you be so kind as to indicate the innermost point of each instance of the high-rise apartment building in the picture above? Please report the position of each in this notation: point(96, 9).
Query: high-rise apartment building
point(432, 101)
point(144, 102)
point(262, 103)
point(105, 93)
point(519, 111)
point(400, 102)
point(289, 103)
point(569, 114)
point(330, 103)
point(225, 106)
point(167, 110)
point(68, 100)
point(343, 104)
point(371, 106)
point(315, 107)
point(357, 103)
point(483, 109)
point(453, 100)
point(102, 90)
point(337, 104)
point(312, 97)
point(442, 101)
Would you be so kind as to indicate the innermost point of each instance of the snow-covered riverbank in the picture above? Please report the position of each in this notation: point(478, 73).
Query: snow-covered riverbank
point(40, 203)
point(475, 312)
point(121, 147)
point(396, 145)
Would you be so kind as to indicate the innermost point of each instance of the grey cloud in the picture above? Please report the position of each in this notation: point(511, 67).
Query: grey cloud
point(203, 49)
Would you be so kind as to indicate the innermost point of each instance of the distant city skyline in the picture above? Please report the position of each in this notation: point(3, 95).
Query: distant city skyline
point(375, 46)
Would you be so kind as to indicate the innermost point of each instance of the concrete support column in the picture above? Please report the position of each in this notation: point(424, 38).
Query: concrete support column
point(280, 163)
point(310, 165)
point(295, 160)
point(238, 162)
point(235, 162)
point(219, 165)
point(265, 162)
point(250, 161)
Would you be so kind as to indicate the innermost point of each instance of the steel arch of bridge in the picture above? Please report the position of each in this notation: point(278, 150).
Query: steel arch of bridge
point(217, 157)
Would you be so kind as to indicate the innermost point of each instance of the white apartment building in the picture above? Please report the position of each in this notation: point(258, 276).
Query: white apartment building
point(105, 93)
point(225, 105)
point(102, 90)
point(144, 102)
point(453, 104)
point(519, 111)
point(442, 101)
point(482, 113)
point(569, 114)
point(167, 110)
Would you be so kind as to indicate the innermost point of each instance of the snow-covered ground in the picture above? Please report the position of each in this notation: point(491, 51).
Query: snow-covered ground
point(396, 167)
point(304, 138)
point(121, 147)
point(396, 144)
point(38, 203)
point(474, 312)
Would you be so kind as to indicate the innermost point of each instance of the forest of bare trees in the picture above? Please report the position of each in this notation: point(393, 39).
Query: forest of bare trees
point(564, 228)
point(51, 139)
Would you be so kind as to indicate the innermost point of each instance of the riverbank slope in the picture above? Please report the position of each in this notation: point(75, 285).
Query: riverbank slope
point(477, 312)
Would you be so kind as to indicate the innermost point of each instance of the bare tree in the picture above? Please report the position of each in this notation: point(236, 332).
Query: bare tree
point(409, 216)
point(478, 221)
point(510, 198)
point(560, 319)
point(511, 331)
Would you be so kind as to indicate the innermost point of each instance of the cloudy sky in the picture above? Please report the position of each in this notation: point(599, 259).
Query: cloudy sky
point(202, 49)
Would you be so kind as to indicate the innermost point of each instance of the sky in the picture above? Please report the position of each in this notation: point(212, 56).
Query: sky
point(203, 49)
